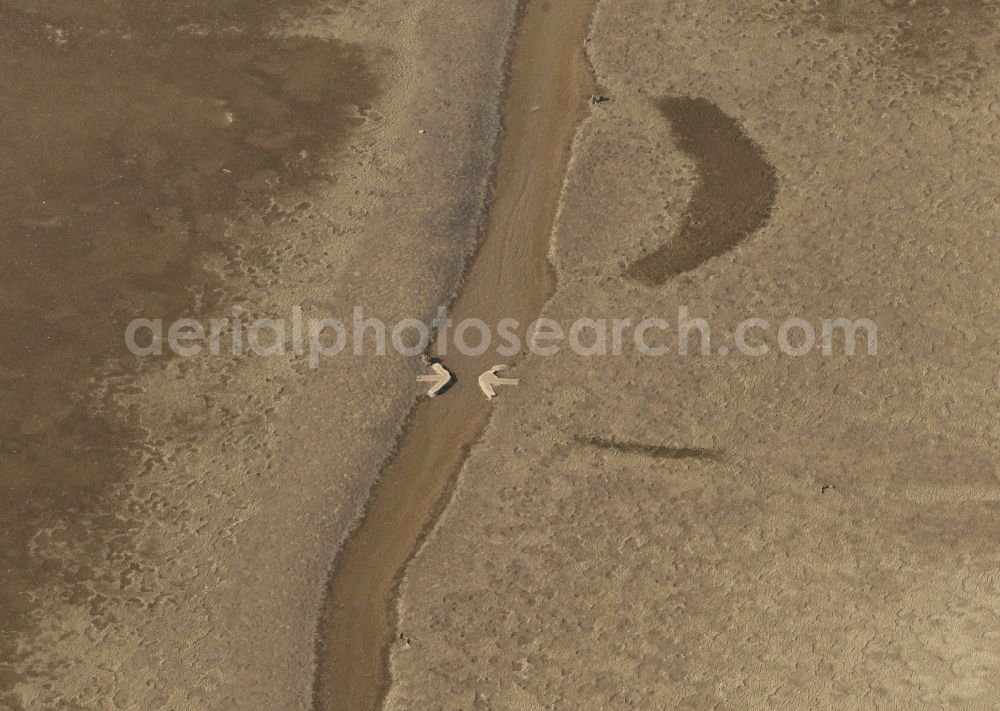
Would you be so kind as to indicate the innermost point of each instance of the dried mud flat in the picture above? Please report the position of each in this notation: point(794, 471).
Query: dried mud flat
point(747, 533)
point(169, 524)
point(628, 532)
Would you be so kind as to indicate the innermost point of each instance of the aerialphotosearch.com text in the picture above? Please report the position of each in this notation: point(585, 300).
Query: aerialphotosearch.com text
point(363, 335)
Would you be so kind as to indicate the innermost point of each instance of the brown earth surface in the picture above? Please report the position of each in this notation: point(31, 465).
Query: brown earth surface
point(733, 532)
point(623, 532)
point(169, 522)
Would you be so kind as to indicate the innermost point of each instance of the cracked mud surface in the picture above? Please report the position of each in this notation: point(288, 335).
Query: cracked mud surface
point(841, 554)
point(168, 523)
point(136, 135)
point(624, 533)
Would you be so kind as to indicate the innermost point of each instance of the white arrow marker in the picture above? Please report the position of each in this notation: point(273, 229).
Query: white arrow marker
point(441, 379)
point(488, 379)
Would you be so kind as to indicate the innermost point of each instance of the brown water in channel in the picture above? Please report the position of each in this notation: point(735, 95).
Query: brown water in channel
point(132, 133)
point(549, 86)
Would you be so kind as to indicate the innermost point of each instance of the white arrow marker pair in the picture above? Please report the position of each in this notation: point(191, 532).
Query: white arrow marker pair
point(441, 379)
point(489, 379)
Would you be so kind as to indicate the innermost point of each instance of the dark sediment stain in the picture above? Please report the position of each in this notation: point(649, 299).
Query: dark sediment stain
point(133, 133)
point(733, 198)
point(656, 451)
